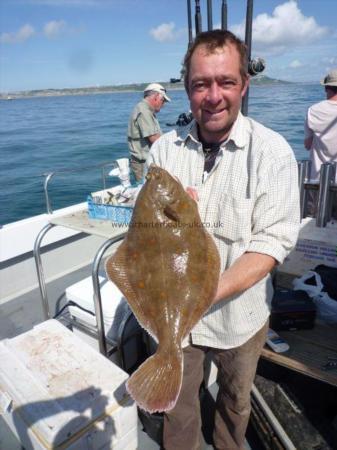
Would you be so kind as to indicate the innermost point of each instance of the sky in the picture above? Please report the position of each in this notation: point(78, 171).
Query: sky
point(77, 43)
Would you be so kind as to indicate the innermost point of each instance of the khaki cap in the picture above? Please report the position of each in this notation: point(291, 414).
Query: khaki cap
point(330, 79)
point(156, 87)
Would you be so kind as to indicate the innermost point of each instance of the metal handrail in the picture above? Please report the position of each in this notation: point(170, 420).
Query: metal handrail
point(327, 176)
point(304, 168)
point(48, 176)
point(325, 187)
point(39, 270)
point(97, 292)
point(95, 281)
point(312, 186)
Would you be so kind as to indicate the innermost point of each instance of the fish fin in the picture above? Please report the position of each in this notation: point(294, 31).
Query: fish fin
point(156, 384)
point(115, 268)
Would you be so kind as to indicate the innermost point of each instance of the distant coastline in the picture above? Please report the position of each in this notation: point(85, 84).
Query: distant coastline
point(259, 80)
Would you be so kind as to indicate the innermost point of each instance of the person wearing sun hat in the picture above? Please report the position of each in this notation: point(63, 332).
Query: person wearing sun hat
point(321, 127)
point(144, 128)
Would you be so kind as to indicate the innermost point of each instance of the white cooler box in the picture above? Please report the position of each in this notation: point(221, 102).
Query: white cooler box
point(58, 392)
point(114, 305)
point(115, 310)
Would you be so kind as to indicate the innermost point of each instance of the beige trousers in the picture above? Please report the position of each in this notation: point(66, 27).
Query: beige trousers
point(236, 372)
point(138, 169)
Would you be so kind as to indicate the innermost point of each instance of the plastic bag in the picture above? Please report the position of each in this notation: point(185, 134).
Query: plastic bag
point(328, 276)
point(326, 306)
point(122, 171)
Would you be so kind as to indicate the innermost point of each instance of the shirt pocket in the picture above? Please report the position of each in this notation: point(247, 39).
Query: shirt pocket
point(234, 218)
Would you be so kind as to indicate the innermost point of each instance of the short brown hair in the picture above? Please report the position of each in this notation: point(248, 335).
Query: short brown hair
point(331, 88)
point(212, 40)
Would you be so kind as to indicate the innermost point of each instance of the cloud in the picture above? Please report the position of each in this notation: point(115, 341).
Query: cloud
point(286, 26)
point(24, 33)
point(79, 3)
point(295, 64)
point(332, 60)
point(50, 30)
point(166, 32)
point(63, 3)
point(54, 28)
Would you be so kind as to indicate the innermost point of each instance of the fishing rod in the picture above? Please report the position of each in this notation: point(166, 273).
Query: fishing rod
point(209, 15)
point(256, 65)
point(248, 42)
point(198, 19)
point(224, 15)
point(189, 21)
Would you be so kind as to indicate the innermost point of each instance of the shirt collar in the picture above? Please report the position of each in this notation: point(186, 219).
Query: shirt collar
point(190, 131)
point(147, 105)
point(238, 134)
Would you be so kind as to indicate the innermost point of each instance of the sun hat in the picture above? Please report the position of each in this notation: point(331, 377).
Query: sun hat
point(330, 79)
point(156, 87)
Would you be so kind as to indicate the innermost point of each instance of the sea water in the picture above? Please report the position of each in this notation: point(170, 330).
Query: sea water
point(66, 133)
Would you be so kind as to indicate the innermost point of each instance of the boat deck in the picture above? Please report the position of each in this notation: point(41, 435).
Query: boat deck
point(309, 349)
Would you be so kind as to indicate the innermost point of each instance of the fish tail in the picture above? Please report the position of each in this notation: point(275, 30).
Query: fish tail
point(156, 384)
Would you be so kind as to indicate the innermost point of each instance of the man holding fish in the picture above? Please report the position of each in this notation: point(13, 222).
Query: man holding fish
point(243, 177)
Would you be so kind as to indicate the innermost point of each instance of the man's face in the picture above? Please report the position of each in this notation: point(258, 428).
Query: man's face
point(158, 102)
point(215, 90)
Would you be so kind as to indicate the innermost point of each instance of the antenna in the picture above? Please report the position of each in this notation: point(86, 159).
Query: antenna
point(198, 20)
point(209, 15)
point(224, 15)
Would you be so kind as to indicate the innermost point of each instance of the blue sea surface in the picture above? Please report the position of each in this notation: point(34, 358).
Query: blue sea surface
point(50, 134)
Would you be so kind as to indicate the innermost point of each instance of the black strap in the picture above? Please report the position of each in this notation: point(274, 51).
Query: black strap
point(210, 152)
point(133, 158)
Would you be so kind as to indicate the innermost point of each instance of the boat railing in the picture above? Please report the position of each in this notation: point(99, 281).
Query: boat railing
point(48, 176)
point(317, 198)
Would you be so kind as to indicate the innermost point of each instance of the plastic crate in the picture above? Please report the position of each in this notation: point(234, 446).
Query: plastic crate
point(115, 213)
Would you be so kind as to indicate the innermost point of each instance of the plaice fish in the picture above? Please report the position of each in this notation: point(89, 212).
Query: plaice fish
point(168, 269)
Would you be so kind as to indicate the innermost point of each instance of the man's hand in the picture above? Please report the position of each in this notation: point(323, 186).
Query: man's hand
point(308, 143)
point(193, 193)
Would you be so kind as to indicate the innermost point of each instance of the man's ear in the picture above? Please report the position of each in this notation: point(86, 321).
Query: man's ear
point(245, 86)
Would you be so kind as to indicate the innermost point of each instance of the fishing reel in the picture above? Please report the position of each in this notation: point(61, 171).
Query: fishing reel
point(256, 66)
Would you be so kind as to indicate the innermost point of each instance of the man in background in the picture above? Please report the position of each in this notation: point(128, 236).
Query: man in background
point(320, 135)
point(321, 127)
point(144, 128)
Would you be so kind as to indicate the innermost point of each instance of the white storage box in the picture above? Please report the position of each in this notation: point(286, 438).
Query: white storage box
point(114, 305)
point(57, 392)
point(314, 246)
point(115, 311)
